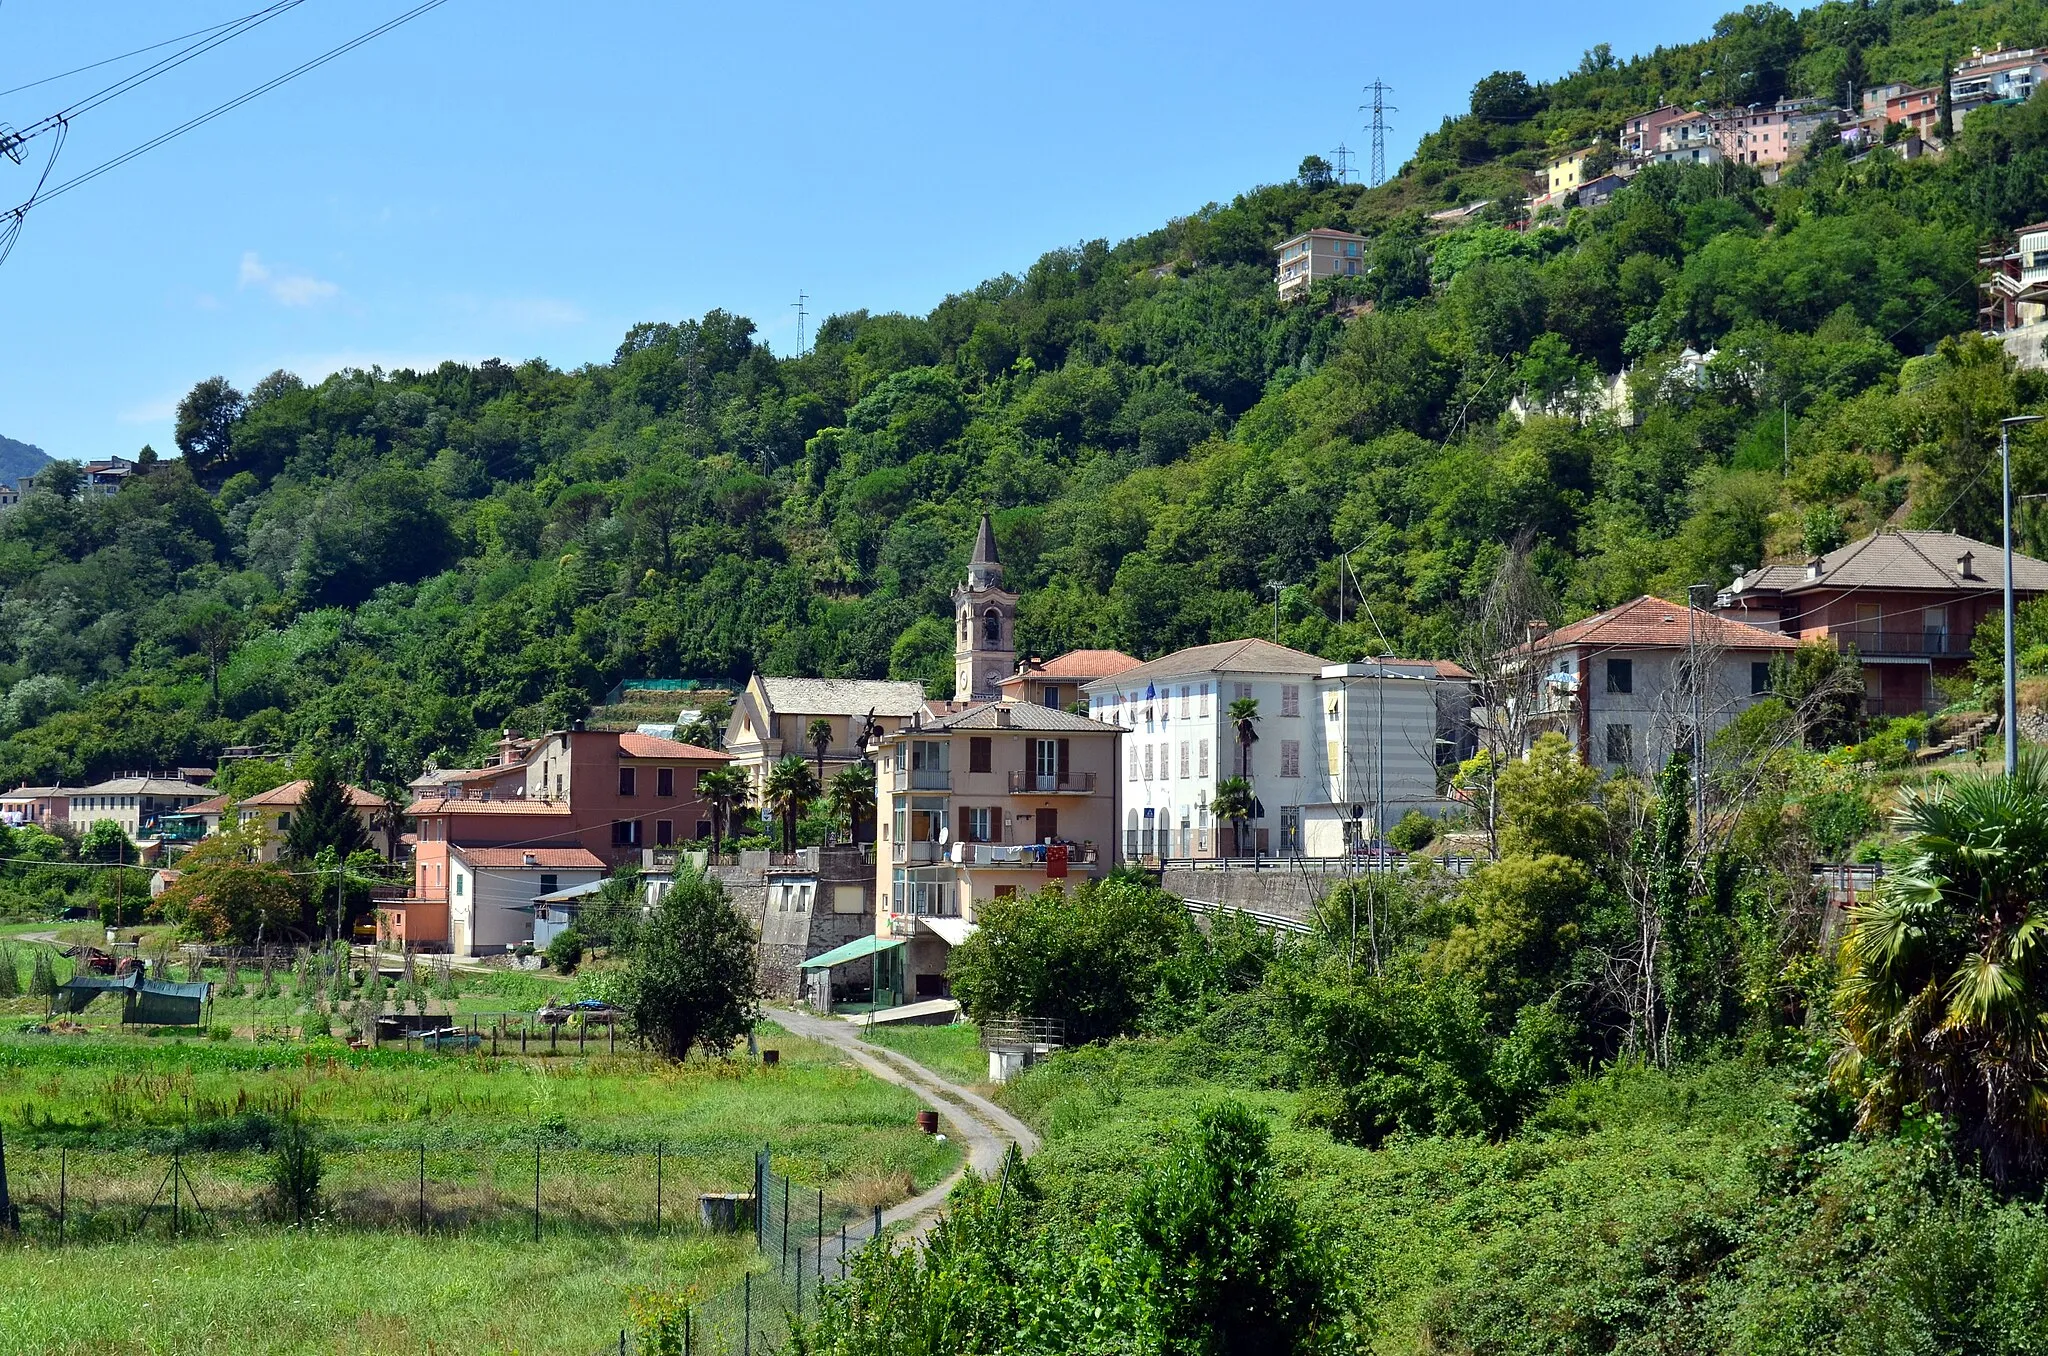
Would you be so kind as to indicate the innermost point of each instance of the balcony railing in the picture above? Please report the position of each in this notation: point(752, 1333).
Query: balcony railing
point(1030, 856)
point(931, 779)
point(1070, 784)
point(1928, 644)
point(902, 853)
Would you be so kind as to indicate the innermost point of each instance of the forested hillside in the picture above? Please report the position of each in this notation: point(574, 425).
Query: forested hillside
point(392, 565)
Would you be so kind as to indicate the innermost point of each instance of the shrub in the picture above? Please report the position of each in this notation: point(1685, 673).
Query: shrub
point(295, 1171)
point(42, 981)
point(10, 971)
point(314, 1025)
point(220, 1032)
point(565, 952)
point(1415, 832)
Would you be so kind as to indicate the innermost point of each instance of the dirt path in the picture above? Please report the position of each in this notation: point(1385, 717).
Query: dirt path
point(984, 1128)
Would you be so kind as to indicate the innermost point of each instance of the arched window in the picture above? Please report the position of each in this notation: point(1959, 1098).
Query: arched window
point(965, 617)
point(992, 627)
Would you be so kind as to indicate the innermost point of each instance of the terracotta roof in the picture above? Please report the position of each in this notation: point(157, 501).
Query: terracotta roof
point(653, 746)
point(1075, 664)
point(1022, 716)
point(1231, 656)
point(1449, 668)
point(36, 792)
point(442, 805)
point(218, 805)
point(141, 786)
point(291, 793)
point(843, 696)
point(1894, 559)
point(553, 858)
point(1652, 623)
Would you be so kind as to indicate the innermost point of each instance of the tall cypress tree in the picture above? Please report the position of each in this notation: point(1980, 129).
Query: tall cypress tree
point(324, 819)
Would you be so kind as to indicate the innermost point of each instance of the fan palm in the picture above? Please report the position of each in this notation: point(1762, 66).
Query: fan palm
point(724, 789)
point(852, 794)
point(1234, 801)
point(818, 734)
point(1244, 718)
point(1944, 996)
point(789, 792)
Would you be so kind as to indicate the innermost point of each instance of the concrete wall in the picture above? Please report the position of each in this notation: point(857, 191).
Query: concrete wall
point(1278, 891)
point(789, 935)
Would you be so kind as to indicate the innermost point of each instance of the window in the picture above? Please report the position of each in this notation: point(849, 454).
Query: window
point(625, 781)
point(1183, 758)
point(459, 881)
point(664, 832)
point(1759, 677)
point(625, 833)
point(1052, 695)
point(1202, 750)
point(1243, 690)
point(549, 884)
point(1290, 699)
point(849, 899)
point(284, 819)
point(978, 830)
point(1203, 692)
point(1290, 757)
point(1134, 764)
point(992, 628)
point(665, 782)
point(703, 829)
point(558, 785)
point(1184, 706)
point(1148, 762)
point(980, 754)
point(1621, 676)
point(1620, 744)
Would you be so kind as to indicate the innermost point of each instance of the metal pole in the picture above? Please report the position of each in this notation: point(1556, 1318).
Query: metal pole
point(177, 1171)
point(536, 1193)
point(63, 1181)
point(785, 1226)
point(821, 1231)
point(2012, 733)
point(747, 1320)
point(423, 1188)
point(657, 1186)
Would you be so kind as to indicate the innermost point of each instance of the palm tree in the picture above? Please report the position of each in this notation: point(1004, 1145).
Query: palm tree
point(818, 734)
point(851, 794)
point(724, 789)
point(1244, 718)
point(790, 790)
point(1235, 802)
point(1944, 993)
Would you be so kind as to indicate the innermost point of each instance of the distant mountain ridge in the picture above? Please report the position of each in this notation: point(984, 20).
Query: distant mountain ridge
point(18, 459)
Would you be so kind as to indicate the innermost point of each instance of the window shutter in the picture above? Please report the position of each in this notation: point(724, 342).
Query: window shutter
point(1065, 748)
point(995, 824)
point(965, 835)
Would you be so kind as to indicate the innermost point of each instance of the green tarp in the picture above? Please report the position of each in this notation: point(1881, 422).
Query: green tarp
point(150, 1002)
point(854, 950)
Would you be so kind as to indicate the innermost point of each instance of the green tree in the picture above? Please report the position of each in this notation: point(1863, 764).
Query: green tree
point(690, 979)
point(1089, 959)
point(212, 627)
point(818, 734)
point(724, 789)
point(326, 817)
point(1504, 97)
point(1244, 723)
point(852, 796)
point(105, 841)
point(790, 789)
point(206, 427)
point(1944, 992)
point(1234, 802)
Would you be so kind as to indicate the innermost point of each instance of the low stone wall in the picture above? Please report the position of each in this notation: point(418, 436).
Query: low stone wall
point(1288, 894)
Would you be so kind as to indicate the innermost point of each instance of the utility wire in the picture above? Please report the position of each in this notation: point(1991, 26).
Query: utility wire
point(10, 142)
point(10, 231)
point(95, 65)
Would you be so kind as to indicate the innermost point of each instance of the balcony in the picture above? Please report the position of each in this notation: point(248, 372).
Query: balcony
point(1041, 783)
point(911, 853)
point(1928, 644)
point(931, 779)
point(1024, 856)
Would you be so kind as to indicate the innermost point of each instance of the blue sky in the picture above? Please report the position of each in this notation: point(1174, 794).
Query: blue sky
point(515, 179)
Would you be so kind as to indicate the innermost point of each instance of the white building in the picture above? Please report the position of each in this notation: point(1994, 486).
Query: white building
point(1615, 684)
point(135, 803)
point(1334, 743)
point(1316, 254)
point(491, 892)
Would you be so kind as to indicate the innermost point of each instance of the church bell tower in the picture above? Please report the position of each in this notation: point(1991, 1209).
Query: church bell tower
point(984, 624)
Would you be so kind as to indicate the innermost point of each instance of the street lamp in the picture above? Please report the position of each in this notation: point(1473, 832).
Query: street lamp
point(2012, 733)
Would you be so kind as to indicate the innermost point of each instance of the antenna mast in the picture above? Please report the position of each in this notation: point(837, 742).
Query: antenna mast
point(1379, 108)
point(801, 316)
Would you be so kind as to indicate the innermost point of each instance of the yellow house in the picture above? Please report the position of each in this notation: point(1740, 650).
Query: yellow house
point(275, 808)
point(1567, 173)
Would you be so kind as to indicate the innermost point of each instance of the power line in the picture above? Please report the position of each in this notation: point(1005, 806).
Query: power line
point(10, 142)
point(1343, 155)
point(802, 315)
point(10, 232)
point(95, 65)
point(1379, 108)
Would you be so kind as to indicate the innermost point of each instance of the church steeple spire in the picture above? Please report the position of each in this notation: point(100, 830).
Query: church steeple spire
point(985, 620)
point(984, 570)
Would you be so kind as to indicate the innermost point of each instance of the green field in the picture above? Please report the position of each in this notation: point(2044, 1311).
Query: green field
point(954, 1051)
point(109, 1113)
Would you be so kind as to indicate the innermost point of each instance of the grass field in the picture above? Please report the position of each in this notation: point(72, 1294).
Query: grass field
point(954, 1051)
point(108, 1112)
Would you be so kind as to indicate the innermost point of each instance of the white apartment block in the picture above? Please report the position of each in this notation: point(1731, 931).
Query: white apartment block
point(1335, 743)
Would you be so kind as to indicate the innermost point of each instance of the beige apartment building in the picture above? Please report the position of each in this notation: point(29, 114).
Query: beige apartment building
point(1317, 254)
point(772, 719)
point(999, 799)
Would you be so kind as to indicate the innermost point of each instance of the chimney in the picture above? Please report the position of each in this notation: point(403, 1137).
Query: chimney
point(1002, 717)
point(576, 725)
point(1538, 630)
point(1816, 567)
point(1964, 563)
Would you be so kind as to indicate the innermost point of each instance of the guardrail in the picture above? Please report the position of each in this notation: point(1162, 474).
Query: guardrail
point(1038, 783)
point(1023, 1033)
